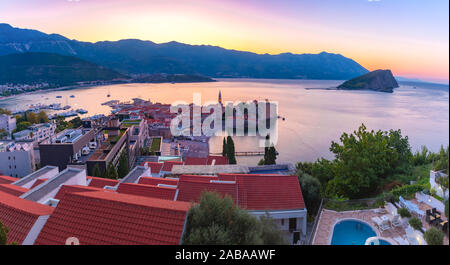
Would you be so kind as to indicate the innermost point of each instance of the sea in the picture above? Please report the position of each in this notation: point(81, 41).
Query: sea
point(311, 118)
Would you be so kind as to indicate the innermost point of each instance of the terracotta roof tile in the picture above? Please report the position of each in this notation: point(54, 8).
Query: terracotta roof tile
point(199, 161)
point(101, 182)
point(38, 182)
point(151, 191)
point(7, 179)
point(190, 191)
point(13, 189)
point(220, 160)
point(75, 188)
point(168, 165)
point(113, 218)
point(155, 181)
point(19, 215)
point(155, 167)
point(197, 178)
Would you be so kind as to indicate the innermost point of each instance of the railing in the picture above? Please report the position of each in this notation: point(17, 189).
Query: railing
point(350, 205)
point(249, 153)
point(316, 223)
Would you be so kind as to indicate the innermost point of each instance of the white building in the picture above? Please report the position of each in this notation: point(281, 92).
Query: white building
point(42, 131)
point(7, 123)
point(16, 159)
point(37, 132)
point(434, 185)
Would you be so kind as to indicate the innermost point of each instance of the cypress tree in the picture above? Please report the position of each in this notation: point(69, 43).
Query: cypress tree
point(97, 172)
point(230, 151)
point(111, 172)
point(224, 147)
point(123, 167)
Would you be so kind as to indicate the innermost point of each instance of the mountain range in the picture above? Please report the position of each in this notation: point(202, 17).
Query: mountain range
point(132, 56)
point(51, 68)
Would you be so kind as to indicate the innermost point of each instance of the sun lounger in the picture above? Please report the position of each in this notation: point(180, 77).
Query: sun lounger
point(395, 220)
point(381, 224)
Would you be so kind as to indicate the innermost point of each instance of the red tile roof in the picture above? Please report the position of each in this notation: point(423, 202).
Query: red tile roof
point(106, 218)
point(13, 189)
point(269, 192)
point(7, 179)
point(220, 160)
point(75, 188)
point(38, 182)
point(151, 191)
point(196, 161)
point(155, 181)
point(197, 178)
point(261, 192)
point(19, 215)
point(168, 165)
point(155, 167)
point(190, 191)
point(101, 182)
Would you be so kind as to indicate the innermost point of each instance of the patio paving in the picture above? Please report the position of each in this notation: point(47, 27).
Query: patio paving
point(328, 218)
point(424, 207)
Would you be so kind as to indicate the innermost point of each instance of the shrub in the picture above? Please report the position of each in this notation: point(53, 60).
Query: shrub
point(404, 212)
point(311, 192)
point(407, 190)
point(415, 223)
point(434, 236)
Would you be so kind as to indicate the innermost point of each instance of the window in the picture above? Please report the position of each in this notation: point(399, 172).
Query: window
point(282, 222)
point(292, 224)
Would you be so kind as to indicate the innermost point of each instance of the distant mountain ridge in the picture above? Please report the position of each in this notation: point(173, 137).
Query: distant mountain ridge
point(133, 56)
point(54, 69)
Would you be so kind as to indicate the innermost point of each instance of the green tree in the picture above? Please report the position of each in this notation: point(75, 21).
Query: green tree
point(434, 236)
point(224, 148)
point(270, 153)
point(415, 223)
point(22, 126)
point(5, 111)
point(3, 234)
point(111, 172)
point(123, 169)
point(76, 122)
point(42, 117)
point(364, 159)
point(97, 172)
point(217, 221)
point(32, 117)
point(311, 191)
point(442, 181)
point(230, 151)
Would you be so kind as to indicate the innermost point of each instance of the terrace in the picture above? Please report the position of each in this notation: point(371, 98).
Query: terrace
point(107, 146)
point(396, 232)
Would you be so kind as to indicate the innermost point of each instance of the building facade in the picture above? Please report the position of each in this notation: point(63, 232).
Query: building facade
point(7, 123)
point(17, 159)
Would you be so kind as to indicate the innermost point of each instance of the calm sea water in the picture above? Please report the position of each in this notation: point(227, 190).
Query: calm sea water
point(313, 117)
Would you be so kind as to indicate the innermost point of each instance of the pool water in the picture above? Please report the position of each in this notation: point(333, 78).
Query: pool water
point(352, 232)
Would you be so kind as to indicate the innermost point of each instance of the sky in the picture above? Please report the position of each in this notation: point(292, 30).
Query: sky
point(410, 37)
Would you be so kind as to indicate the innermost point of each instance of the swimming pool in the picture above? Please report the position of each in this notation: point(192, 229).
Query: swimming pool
point(352, 232)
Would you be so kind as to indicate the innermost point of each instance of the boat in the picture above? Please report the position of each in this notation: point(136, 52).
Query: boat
point(72, 96)
point(58, 96)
